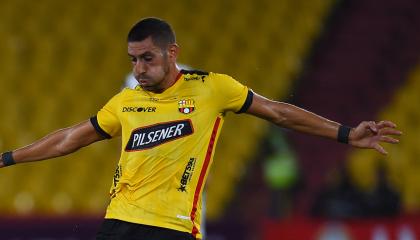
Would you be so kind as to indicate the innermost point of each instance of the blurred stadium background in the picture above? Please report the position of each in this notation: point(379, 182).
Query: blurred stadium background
point(348, 60)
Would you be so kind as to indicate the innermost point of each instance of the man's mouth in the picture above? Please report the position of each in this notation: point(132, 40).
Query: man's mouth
point(143, 80)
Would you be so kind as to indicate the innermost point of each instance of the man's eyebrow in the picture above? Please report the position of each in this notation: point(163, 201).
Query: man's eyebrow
point(141, 55)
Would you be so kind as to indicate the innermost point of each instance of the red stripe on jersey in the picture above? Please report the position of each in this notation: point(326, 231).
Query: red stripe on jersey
point(203, 174)
point(178, 76)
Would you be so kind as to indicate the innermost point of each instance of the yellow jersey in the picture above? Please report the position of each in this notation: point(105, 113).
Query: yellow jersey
point(168, 142)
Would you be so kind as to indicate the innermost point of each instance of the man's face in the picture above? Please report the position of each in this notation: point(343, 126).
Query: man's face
point(150, 64)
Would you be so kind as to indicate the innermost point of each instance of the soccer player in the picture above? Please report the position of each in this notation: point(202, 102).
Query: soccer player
point(169, 126)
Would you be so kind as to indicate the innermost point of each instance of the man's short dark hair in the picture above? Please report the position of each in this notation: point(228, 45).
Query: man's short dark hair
point(160, 31)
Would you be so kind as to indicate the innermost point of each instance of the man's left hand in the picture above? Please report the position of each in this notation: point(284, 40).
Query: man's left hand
point(370, 134)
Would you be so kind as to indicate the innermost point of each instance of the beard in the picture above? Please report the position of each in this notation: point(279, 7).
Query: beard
point(157, 82)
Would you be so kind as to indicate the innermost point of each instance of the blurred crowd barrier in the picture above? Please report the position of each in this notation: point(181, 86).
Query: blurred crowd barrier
point(402, 228)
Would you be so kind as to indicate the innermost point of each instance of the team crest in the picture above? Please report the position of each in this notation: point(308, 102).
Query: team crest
point(186, 106)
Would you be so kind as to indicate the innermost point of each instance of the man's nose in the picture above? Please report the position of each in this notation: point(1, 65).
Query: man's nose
point(140, 67)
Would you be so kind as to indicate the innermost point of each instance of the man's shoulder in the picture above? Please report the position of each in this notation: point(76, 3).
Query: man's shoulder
point(124, 93)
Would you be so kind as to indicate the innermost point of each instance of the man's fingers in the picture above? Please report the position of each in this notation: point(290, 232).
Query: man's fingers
point(372, 126)
point(390, 131)
point(380, 149)
point(388, 139)
point(384, 124)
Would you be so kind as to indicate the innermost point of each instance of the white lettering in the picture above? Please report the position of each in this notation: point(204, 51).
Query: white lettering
point(136, 138)
point(178, 129)
point(171, 130)
point(163, 134)
point(149, 137)
point(155, 138)
point(141, 139)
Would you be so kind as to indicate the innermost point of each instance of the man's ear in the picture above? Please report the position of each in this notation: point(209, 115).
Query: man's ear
point(173, 51)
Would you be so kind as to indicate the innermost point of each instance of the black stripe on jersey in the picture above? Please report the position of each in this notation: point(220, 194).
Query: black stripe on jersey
point(94, 121)
point(247, 102)
point(198, 72)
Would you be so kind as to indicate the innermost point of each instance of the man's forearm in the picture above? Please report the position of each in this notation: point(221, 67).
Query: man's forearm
point(292, 117)
point(298, 119)
point(45, 148)
point(56, 144)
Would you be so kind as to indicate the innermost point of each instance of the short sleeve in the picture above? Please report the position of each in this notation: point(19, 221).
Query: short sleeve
point(231, 94)
point(106, 122)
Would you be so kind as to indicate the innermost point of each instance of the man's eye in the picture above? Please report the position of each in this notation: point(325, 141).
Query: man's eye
point(133, 60)
point(148, 59)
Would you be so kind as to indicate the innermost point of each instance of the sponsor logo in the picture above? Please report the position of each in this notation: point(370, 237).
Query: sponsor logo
point(187, 175)
point(155, 135)
point(186, 106)
point(139, 109)
point(116, 180)
point(194, 77)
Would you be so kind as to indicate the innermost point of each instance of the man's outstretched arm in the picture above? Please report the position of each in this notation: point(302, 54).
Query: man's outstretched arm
point(367, 134)
point(56, 144)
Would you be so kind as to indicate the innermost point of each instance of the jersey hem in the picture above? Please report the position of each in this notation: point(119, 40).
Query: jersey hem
point(149, 223)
